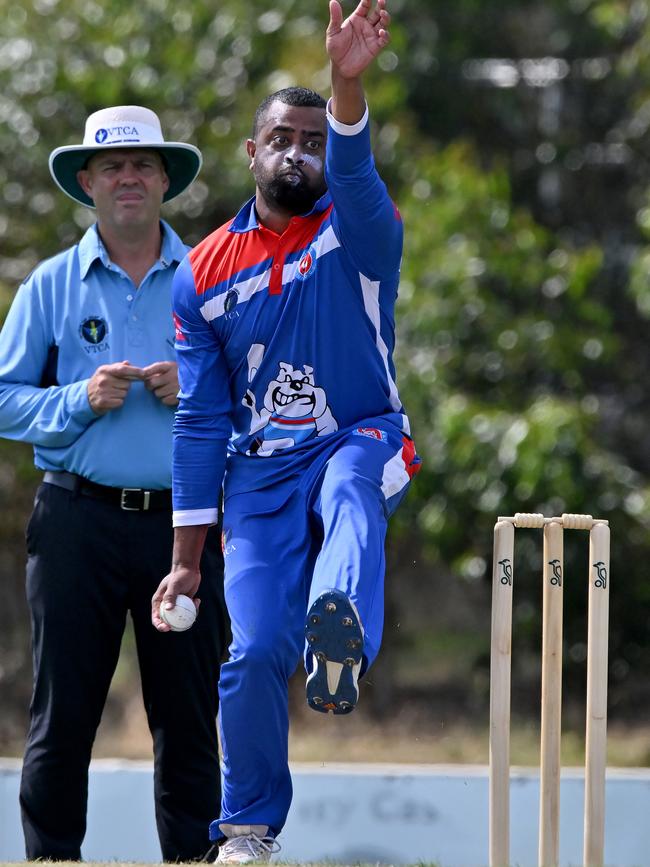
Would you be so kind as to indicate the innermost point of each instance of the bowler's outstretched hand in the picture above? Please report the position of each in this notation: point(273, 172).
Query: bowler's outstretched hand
point(353, 44)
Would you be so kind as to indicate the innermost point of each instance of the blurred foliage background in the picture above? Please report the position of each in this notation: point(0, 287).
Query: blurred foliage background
point(514, 137)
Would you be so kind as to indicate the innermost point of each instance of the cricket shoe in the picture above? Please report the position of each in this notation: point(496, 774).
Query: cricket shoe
point(247, 844)
point(335, 638)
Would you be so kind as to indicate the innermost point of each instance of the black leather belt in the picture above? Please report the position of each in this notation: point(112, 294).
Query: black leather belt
point(129, 499)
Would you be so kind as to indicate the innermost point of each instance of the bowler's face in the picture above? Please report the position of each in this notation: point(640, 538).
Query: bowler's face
point(288, 156)
point(126, 186)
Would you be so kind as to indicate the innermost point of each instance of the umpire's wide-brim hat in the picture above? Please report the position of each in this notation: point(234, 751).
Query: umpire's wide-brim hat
point(124, 127)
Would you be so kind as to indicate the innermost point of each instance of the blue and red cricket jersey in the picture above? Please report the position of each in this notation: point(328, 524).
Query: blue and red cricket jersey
point(285, 340)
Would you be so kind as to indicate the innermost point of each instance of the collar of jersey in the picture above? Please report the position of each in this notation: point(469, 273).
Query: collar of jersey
point(246, 218)
point(91, 249)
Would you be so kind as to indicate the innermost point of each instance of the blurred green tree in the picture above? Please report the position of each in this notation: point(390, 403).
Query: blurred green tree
point(514, 137)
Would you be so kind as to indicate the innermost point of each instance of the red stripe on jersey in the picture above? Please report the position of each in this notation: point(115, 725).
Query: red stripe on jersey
point(224, 254)
point(412, 463)
point(278, 419)
point(296, 237)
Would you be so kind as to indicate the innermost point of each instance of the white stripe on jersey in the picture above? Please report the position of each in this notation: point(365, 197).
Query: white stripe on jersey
point(214, 308)
point(370, 291)
point(325, 242)
point(394, 477)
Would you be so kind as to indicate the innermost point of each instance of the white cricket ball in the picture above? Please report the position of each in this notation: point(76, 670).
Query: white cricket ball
point(181, 616)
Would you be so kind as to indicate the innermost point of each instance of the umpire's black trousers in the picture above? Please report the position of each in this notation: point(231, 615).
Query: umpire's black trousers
point(89, 563)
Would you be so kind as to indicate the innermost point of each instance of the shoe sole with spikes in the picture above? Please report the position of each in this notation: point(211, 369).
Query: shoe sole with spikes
point(335, 638)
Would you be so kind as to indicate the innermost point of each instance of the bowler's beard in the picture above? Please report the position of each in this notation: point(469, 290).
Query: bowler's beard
point(290, 194)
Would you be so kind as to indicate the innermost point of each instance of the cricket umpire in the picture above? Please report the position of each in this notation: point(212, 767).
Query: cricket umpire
point(88, 376)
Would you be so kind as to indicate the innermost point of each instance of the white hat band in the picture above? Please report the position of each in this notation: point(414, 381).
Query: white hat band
point(123, 133)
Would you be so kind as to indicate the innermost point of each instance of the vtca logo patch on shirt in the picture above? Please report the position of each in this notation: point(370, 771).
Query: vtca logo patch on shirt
point(230, 303)
point(94, 332)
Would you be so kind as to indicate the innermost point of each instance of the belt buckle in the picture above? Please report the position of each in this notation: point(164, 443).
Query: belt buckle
point(146, 495)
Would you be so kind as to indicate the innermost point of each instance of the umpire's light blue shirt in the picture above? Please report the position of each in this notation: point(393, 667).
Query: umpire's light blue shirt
point(74, 313)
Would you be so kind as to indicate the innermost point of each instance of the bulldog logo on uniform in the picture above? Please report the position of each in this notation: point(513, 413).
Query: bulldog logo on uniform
point(295, 409)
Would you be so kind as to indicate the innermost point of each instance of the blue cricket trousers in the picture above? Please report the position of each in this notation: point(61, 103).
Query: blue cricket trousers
point(283, 546)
